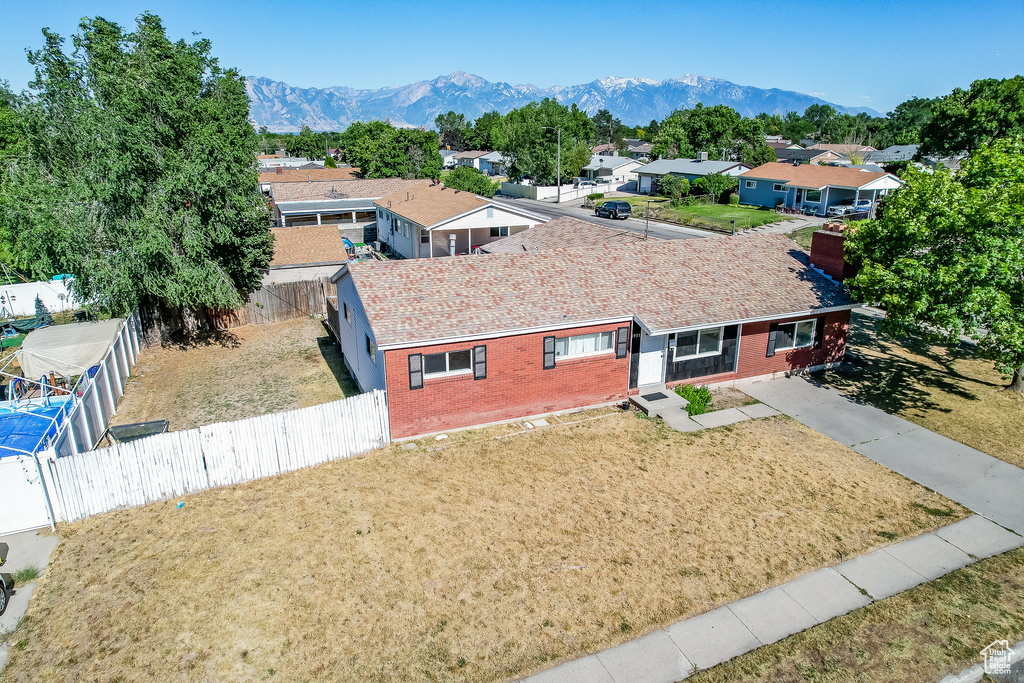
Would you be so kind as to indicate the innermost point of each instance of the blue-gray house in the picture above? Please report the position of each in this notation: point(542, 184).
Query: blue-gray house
point(691, 169)
point(812, 187)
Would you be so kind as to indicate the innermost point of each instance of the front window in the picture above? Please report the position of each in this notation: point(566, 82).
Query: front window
point(780, 187)
point(499, 232)
point(371, 349)
point(794, 335)
point(813, 196)
point(584, 344)
point(751, 184)
point(449, 363)
point(698, 343)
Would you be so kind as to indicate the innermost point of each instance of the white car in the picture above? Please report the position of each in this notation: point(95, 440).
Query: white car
point(849, 206)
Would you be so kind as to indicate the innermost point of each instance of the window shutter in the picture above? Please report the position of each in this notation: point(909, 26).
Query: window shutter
point(773, 331)
point(415, 370)
point(479, 362)
point(819, 332)
point(549, 353)
point(622, 342)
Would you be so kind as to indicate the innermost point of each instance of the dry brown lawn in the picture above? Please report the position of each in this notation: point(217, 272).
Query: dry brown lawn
point(935, 629)
point(470, 559)
point(236, 374)
point(949, 391)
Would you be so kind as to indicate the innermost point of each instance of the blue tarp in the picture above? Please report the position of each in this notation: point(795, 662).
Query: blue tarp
point(21, 431)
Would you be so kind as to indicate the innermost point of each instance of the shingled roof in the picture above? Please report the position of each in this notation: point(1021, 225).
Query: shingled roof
point(430, 204)
point(340, 189)
point(560, 233)
point(807, 175)
point(305, 175)
point(666, 285)
point(307, 245)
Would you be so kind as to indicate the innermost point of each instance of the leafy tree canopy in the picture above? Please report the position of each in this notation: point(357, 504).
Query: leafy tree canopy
point(964, 120)
point(382, 151)
point(307, 144)
point(452, 129)
point(715, 184)
point(947, 256)
point(527, 137)
point(715, 129)
point(139, 176)
point(673, 186)
point(481, 136)
point(471, 180)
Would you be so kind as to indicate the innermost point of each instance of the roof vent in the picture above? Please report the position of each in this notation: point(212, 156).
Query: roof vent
point(309, 178)
point(280, 170)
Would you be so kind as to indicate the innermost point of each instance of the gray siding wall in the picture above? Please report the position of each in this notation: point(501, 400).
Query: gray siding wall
point(369, 375)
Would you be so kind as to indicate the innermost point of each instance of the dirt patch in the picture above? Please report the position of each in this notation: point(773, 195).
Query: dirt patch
point(930, 631)
point(480, 561)
point(949, 391)
point(724, 398)
point(236, 374)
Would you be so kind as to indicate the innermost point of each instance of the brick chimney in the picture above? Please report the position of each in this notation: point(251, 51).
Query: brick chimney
point(827, 253)
point(280, 170)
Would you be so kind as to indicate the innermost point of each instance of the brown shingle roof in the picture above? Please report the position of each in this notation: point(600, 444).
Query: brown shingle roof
point(313, 244)
point(562, 232)
point(666, 285)
point(808, 175)
point(294, 175)
point(430, 204)
point(340, 189)
point(471, 154)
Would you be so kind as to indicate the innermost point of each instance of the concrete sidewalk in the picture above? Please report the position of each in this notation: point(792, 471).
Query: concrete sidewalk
point(27, 549)
point(988, 486)
point(714, 637)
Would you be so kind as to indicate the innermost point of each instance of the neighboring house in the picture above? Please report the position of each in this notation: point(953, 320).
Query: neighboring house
point(470, 157)
point(493, 163)
point(811, 187)
point(691, 169)
point(641, 152)
point(332, 202)
point(841, 148)
point(448, 158)
point(777, 140)
point(805, 156)
point(785, 144)
point(612, 169)
point(561, 233)
point(305, 175)
point(430, 221)
point(463, 342)
point(287, 162)
point(306, 253)
point(608, 149)
point(892, 153)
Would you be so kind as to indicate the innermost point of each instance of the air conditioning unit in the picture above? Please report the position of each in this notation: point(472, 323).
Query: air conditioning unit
point(376, 246)
point(702, 156)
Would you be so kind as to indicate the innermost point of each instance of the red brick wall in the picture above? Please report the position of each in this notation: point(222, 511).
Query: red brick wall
point(828, 254)
point(517, 384)
point(754, 345)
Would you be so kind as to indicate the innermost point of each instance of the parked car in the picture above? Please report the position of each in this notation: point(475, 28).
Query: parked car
point(846, 206)
point(614, 210)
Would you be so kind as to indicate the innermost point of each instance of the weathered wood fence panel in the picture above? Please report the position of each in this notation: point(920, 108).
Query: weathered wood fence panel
point(333, 317)
point(275, 303)
point(173, 464)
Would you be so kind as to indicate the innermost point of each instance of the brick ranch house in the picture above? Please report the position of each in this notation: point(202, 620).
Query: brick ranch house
point(470, 341)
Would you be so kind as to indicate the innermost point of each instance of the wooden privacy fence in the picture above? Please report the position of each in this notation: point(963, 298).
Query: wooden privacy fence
point(173, 464)
point(275, 303)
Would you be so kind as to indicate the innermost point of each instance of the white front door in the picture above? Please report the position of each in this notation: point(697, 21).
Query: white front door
point(652, 355)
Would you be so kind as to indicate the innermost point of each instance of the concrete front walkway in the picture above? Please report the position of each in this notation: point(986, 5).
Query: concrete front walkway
point(27, 549)
point(986, 485)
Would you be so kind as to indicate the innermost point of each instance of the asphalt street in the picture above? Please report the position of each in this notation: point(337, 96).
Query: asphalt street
point(574, 210)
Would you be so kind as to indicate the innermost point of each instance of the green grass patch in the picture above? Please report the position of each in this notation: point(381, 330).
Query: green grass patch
point(708, 215)
point(25, 574)
point(803, 236)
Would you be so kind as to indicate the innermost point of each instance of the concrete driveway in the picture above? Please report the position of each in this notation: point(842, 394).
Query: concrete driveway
point(986, 485)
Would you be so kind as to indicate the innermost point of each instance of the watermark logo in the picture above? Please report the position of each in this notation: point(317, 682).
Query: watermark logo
point(998, 657)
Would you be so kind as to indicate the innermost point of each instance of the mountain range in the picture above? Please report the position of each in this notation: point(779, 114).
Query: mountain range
point(282, 108)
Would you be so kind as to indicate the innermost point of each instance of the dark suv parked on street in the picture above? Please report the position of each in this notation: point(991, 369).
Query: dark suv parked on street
point(614, 210)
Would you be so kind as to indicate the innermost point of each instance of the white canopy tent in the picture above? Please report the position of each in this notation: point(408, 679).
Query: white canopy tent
point(67, 350)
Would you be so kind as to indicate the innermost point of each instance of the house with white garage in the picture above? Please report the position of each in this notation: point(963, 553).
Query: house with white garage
point(331, 202)
point(691, 169)
point(470, 157)
point(615, 170)
point(812, 187)
point(431, 220)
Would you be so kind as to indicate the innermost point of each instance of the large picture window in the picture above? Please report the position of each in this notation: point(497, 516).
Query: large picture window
point(794, 335)
point(812, 196)
point(584, 344)
point(449, 363)
point(697, 343)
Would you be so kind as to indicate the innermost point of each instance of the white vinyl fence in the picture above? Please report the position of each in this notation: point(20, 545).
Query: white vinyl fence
point(169, 465)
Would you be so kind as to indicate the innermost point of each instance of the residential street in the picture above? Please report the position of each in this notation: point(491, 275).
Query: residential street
point(575, 210)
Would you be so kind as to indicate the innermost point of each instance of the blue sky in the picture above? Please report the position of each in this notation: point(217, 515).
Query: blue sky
point(865, 53)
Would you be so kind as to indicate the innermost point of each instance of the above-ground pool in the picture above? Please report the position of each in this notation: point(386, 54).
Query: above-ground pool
point(24, 425)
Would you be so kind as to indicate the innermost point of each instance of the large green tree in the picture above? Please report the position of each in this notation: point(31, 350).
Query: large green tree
point(947, 256)
point(471, 180)
point(716, 130)
point(481, 136)
point(139, 177)
point(382, 151)
point(452, 129)
point(307, 144)
point(966, 119)
point(528, 137)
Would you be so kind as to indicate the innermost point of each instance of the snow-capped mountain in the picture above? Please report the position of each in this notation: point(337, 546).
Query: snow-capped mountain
point(283, 108)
